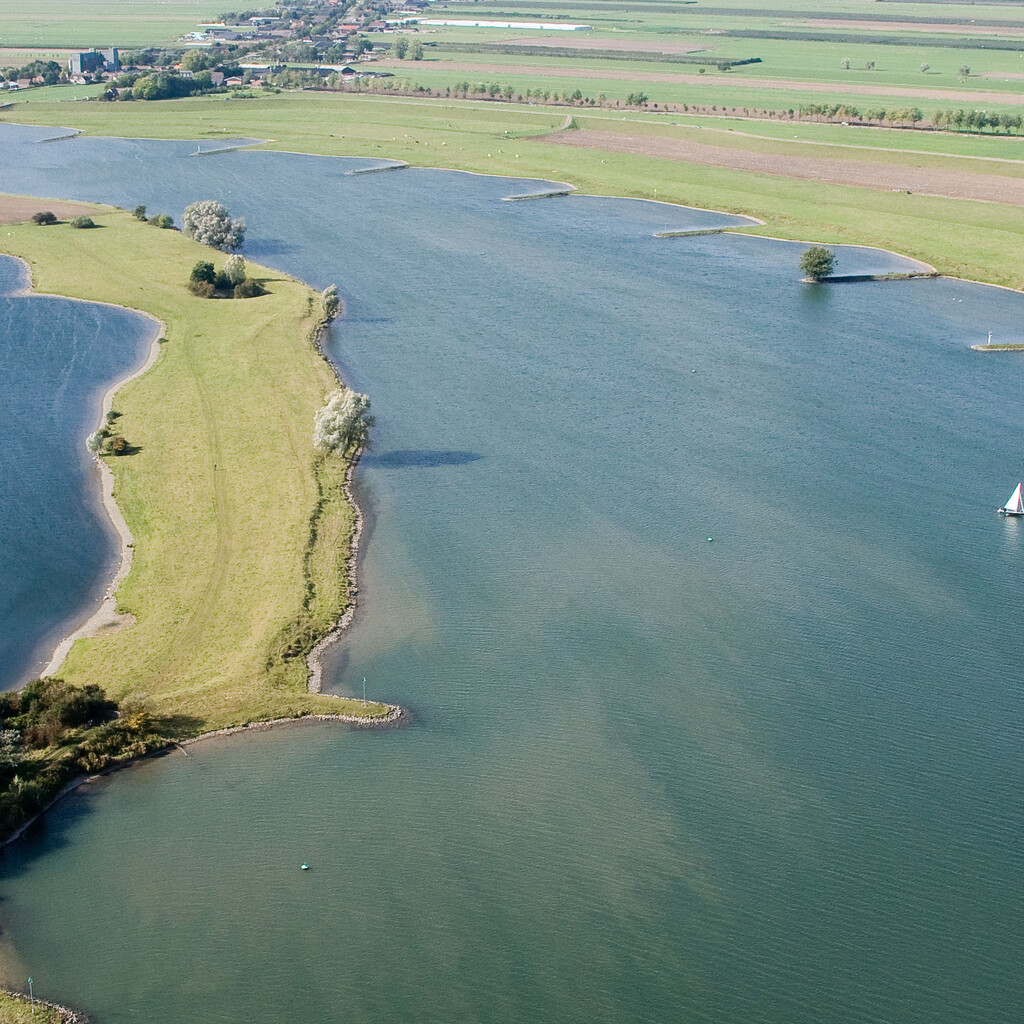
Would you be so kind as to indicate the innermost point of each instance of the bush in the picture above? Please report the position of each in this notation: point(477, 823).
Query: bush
point(44, 217)
point(204, 289)
point(162, 220)
point(139, 213)
point(250, 288)
point(203, 271)
point(83, 222)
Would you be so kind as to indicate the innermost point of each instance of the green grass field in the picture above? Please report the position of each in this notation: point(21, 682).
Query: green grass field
point(88, 23)
point(977, 240)
point(220, 494)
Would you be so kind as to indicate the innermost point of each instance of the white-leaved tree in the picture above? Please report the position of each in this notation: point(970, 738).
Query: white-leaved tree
point(342, 421)
point(330, 302)
point(234, 267)
point(210, 223)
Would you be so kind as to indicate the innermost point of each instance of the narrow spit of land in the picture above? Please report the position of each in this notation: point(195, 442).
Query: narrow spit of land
point(241, 532)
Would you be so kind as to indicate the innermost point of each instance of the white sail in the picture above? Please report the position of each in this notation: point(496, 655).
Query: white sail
point(1015, 506)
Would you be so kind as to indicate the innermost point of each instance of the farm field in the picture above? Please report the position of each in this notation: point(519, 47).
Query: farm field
point(971, 239)
point(838, 52)
point(84, 23)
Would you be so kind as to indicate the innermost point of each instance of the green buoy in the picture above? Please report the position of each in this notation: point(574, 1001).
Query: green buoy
point(305, 867)
point(710, 539)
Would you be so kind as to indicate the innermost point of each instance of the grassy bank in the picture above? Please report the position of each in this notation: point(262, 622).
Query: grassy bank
point(230, 583)
point(15, 1009)
point(977, 240)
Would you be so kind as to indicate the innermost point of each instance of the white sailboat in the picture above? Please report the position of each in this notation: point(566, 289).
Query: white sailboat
point(1015, 506)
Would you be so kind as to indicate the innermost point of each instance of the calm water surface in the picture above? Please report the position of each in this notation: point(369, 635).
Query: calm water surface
point(772, 778)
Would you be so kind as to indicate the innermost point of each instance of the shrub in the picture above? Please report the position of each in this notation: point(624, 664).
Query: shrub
point(250, 288)
point(204, 289)
point(83, 222)
point(139, 213)
point(44, 217)
point(162, 220)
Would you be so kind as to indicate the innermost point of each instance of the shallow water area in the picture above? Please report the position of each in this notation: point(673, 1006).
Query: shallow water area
point(773, 777)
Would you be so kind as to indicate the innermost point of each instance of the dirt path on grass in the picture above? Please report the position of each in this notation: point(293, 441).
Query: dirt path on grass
point(882, 176)
point(737, 80)
point(17, 209)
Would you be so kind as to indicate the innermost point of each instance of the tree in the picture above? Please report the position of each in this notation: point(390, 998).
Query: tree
point(44, 217)
point(400, 47)
point(870, 65)
point(83, 222)
point(234, 269)
point(416, 50)
point(845, 63)
point(329, 302)
point(818, 262)
point(210, 223)
point(924, 66)
point(965, 70)
point(342, 421)
point(139, 213)
point(194, 60)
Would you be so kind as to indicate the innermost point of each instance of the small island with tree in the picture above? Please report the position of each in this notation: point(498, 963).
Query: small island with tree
point(818, 262)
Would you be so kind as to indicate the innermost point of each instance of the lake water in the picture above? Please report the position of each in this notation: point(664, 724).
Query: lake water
point(773, 778)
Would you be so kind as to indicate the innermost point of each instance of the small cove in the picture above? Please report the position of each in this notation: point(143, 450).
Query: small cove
point(57, 548)
point(772, 778)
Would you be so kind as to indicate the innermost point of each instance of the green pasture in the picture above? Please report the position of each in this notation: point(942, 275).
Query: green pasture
point(88, 23)
point(52, 94)
point(788, 59)
point(982, 241)
point(228, 577)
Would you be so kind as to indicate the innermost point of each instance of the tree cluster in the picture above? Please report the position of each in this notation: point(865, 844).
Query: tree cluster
point(52, 732)
point(108, 440)
point(209, 283)
point(44, 217)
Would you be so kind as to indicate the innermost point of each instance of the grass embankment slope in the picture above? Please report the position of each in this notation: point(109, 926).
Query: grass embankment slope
point(977, 240)
point(227, 588)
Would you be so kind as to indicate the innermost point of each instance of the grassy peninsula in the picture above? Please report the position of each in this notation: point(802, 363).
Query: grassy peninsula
point(241, 530)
